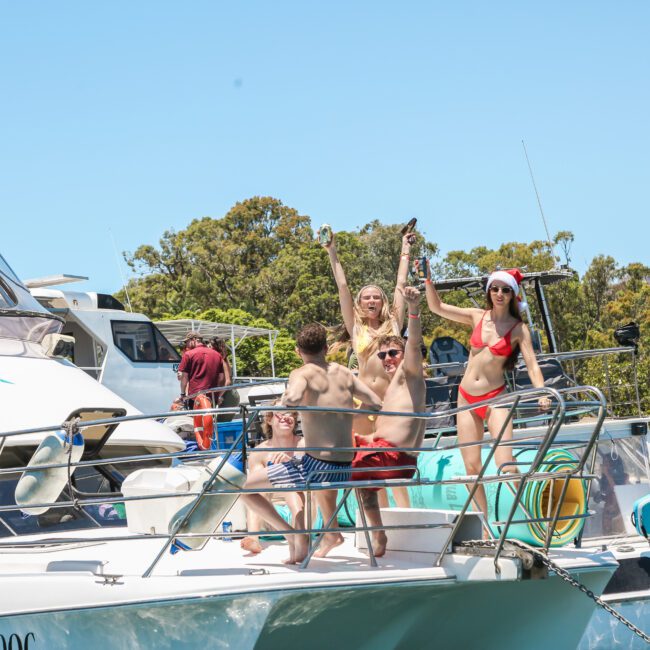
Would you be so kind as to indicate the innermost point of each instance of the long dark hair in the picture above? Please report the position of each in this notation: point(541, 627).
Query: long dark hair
point(219, 345)
point(513, 310)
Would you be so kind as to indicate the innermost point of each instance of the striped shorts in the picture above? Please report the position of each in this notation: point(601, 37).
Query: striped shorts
point(295, 472)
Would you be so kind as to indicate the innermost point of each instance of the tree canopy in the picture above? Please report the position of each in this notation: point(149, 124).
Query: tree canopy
point(260, 265)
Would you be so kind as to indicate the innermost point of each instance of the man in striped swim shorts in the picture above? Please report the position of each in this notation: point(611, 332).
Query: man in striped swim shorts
point(322, 384)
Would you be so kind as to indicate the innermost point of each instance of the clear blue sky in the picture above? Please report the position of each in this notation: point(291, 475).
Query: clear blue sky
point(141, 116)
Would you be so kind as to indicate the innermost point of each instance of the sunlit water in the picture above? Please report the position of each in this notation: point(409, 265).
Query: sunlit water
point(605, 632)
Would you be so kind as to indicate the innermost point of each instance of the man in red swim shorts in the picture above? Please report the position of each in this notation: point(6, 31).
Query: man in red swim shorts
point(406, 392)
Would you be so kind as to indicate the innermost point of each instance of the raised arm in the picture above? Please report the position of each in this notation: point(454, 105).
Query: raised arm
point(345, 297)
point(402, 272)
point(463, 315)
point(534, 372)
point(295, 390)
point(413, 352)
point(368, 397)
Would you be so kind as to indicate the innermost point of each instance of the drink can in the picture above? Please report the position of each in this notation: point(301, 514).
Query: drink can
point(421, 268)
point(325, 235)
point(227, 528)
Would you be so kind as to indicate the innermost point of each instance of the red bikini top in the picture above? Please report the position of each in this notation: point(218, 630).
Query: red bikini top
point(502, 348)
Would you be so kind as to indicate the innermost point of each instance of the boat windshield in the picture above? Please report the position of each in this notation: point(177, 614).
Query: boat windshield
point(6, 270)
point(28, 326)
point(622, 468)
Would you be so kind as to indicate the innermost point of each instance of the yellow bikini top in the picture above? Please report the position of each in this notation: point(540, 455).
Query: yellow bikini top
point(363, 339)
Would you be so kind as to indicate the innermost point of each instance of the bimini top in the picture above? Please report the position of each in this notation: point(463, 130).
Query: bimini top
point(479, 281)
point(176, 330)
point(21, 316)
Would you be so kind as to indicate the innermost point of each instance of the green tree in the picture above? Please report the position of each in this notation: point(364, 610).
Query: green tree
point(215, 262)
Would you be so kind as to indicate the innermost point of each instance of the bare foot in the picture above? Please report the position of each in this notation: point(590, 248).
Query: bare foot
point(292, 550)
point(330, 541)
point(298, 546)
point(302, 547)
point(379, 541)
point(251, 544)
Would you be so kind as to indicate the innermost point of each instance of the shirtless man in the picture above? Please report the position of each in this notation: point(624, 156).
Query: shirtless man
point(323, 384)
point(406, 392)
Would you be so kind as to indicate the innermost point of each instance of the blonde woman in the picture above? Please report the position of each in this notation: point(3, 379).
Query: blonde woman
point(279, 429)
point(367, 319)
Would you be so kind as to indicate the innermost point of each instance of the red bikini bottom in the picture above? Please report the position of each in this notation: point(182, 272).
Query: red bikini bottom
point(481, 411)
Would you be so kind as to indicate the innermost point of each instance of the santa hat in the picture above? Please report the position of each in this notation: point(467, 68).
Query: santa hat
point(511, 278)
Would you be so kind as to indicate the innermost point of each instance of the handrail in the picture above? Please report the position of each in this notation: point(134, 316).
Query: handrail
point(249, 413)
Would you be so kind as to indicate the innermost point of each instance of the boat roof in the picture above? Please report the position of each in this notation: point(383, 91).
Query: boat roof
point(176, 330)
point(53, 280)
point(479, 281)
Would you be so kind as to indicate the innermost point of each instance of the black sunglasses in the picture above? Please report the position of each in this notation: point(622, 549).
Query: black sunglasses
point(504, 290)
point(391, 353)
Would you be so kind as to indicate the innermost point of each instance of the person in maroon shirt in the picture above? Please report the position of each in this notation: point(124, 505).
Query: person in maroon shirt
point(201, 368)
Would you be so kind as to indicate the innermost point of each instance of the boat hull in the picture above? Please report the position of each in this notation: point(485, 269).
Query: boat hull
point(419, 614)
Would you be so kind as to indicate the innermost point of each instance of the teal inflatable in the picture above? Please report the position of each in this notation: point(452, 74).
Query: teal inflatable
point(283, 510)
point(539, 498)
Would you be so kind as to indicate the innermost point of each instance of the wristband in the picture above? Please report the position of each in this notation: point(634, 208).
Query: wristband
point(428, 281)
point(414, 315)
point(406, 255)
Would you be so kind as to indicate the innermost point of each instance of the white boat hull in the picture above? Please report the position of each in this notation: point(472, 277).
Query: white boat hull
point(338, 602)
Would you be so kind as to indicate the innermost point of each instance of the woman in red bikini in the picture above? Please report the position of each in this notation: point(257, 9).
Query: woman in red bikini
point(498, 336)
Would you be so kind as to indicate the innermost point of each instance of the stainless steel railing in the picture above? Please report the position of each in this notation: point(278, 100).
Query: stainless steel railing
point(534, 472)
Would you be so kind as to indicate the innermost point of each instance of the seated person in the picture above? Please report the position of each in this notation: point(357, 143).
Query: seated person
point(279, 429)
point(406, 392)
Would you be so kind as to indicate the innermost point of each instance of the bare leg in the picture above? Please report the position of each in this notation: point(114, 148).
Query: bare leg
point(370, 505)
point(401, 496)
point(296, 503)
point(470, 430)
point(265, 509)
point(503, 454)
point(326, 500)
point(253, 522)
point(383, 498)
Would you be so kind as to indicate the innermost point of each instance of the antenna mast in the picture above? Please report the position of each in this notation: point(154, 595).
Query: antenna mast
point(119, 268)
point(539, 201)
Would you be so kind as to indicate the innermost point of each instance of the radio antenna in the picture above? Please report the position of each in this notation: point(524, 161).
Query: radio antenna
point(539, 201)
point(119, 268)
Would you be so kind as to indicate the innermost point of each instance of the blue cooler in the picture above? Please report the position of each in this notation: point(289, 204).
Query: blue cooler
point(227, 433)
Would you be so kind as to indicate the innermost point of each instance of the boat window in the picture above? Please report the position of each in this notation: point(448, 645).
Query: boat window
point(166, 351)
point(143, 342)
point(106, 301)
point(622, 471)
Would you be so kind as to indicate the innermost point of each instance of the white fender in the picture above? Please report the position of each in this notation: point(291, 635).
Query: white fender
point(45, 485)
point(212, 509)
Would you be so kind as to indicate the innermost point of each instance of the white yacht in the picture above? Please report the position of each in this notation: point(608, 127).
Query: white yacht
point(92, 564)
point(133, 356)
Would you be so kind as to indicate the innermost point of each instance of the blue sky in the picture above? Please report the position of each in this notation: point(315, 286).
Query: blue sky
point(137, 117)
